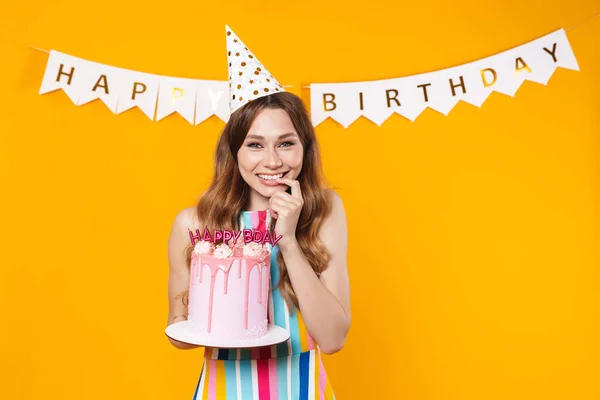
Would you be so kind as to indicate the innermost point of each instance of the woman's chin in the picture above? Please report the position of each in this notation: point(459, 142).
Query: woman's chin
point(268, 192)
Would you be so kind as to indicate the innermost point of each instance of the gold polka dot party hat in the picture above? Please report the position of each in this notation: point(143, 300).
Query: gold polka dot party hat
point(248, 78)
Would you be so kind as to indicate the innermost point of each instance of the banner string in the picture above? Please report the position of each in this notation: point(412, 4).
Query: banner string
point(308, 87)
point(582, 22)
point(38, 49)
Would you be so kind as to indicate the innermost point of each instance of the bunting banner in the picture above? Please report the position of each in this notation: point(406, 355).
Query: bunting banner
point(441, 90)
point(122, 89)
point(196, 100)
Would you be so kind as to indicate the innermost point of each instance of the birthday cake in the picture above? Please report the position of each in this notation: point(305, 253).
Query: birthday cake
point(229, 290)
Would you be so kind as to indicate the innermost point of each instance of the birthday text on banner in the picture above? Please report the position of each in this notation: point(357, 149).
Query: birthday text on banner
point(441, 90)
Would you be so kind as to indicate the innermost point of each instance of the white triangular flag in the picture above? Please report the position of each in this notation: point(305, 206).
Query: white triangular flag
point(63, 72)
point(138, 89)
point(176, 95)
point(212, 98)
point(102, 82)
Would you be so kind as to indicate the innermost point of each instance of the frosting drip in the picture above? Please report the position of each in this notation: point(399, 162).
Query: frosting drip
point(216, 264)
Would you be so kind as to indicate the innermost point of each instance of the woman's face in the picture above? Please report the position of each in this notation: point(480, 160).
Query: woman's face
point(271, 149)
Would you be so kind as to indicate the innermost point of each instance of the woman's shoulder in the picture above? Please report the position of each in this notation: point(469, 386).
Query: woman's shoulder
point(334, 199)
point(336, 215)
point(187, 218)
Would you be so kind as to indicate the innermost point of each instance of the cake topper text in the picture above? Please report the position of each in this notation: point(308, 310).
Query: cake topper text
point(249, 235)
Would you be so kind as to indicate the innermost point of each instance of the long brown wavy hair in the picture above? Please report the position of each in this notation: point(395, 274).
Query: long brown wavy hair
point(228, 195)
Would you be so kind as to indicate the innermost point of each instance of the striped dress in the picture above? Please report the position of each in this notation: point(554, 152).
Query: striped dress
point(290, 370)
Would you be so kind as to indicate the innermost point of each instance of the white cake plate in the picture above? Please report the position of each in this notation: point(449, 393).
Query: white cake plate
point(179, 331)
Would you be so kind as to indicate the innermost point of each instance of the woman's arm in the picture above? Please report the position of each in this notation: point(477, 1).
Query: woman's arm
point(179, 276)
point(325, 301)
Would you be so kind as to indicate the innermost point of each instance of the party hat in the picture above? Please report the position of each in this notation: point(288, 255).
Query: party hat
point(248, 78)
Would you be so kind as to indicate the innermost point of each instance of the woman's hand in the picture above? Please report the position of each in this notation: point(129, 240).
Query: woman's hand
point(286, 209)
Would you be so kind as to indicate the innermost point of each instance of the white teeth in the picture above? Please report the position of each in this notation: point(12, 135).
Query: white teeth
point(270, 177)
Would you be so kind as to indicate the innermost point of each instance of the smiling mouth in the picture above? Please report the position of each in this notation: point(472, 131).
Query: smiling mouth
point(271, 177)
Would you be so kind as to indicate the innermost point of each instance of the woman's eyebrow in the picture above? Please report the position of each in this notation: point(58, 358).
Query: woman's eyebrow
point(258, 137)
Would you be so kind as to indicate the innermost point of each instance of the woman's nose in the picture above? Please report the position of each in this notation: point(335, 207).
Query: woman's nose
point(272, 159)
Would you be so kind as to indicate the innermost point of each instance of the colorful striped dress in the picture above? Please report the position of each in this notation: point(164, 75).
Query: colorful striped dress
point(290, 370)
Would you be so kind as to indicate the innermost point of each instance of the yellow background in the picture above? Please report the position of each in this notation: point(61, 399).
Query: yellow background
point(485, 282)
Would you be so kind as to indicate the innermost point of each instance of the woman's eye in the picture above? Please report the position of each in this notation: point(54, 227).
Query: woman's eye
point(257, 145)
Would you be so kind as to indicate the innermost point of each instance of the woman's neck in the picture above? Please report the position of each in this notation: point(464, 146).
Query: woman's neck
point(257, 201)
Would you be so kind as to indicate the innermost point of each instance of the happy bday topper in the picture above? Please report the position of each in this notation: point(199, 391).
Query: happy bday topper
point(249, 235)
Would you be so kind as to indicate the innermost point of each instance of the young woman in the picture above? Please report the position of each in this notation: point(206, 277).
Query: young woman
point(267, 158)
